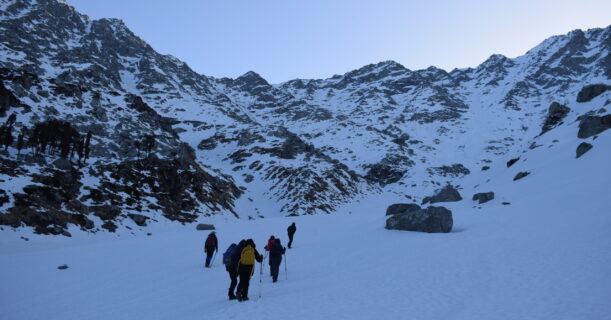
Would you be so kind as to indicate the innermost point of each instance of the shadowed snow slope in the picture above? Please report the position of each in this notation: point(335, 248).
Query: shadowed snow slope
point(545, 256)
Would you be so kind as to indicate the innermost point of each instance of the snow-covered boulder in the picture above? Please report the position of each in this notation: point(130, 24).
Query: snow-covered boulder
point(431, 219)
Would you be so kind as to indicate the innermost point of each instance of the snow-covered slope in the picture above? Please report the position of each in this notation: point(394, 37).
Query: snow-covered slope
point(545, 256)
point(259, 149)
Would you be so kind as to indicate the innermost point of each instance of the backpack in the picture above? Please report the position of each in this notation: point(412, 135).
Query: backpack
point(248, 256)
point(210, 242)
point(228, 255)
point(276, 249)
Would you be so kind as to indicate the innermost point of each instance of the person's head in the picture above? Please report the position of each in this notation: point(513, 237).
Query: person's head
point(250, 242)
point(212, 234)
point(278, 241)
point(272, 238)
point(293, 224)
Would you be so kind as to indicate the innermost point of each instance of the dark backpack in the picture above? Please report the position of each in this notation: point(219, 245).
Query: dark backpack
point(276, 249)
point(228, 255)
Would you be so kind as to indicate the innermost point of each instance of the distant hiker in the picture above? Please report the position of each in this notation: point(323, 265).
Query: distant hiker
point(275, 258)
point(246, 268)
point(230, 261)
point(291, 231)
point(210, 247)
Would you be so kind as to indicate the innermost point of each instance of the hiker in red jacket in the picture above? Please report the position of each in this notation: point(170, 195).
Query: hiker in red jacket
point(210, 247)
point(268, 247)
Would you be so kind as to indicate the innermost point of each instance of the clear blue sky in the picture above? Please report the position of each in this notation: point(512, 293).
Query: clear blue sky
point(287, 39)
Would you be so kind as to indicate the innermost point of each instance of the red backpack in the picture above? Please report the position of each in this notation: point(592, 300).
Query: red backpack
point(210, 242)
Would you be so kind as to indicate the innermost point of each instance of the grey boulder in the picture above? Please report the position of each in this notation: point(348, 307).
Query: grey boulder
point(400, 208)
point(590, 92)
point(138, 219)
point(483, 197)
point(431, 220)
point(447, 194)
point(203, 227)
point(583, 148)
point(555, 114)
point(592, 125)
point(521, 175)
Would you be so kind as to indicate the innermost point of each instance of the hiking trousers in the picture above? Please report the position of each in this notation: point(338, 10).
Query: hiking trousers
point(233, 275)
point(244, 272)
point(209, 254)
point(290, 239)
point(275, 266)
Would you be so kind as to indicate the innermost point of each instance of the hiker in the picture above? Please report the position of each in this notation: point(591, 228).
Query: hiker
point(275, 258)
point(210, 247)
point(291, 231)
point(246, 268)
point(230, 260)
point(270, 242)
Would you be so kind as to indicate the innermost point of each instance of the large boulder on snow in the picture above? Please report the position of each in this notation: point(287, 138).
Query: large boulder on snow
point(590, 92)
point(400, 208)
point(583, 148)
point(431, 219)
point(203, 227)
point(447, 194)
point(483, 197)
point(592, 125)
point(555, 114)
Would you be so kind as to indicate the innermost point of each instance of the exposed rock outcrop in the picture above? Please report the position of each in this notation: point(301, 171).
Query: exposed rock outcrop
point(592, 125)
point(446, 194)
point(590, 92)
point(555, 114)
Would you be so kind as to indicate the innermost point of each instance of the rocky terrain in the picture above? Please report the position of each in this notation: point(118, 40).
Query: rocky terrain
point(168, 143)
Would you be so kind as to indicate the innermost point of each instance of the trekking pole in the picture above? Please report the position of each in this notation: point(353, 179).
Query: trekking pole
point(286, 274)
point(213, 257)
point(260, 279)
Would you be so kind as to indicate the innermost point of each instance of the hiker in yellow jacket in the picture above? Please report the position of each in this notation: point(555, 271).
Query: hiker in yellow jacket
point(246, 268)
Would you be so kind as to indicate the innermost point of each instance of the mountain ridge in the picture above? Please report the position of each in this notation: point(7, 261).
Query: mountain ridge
point(303, 146)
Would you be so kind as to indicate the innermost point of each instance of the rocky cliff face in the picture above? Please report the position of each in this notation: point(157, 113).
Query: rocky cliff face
point(170, 143)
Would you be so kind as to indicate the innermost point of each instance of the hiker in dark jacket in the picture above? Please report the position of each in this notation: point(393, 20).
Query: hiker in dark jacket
point(270, 242)
point(291, 231)
point(210, 247)
point(229, 260)
point(275, 258)
point(246, 268)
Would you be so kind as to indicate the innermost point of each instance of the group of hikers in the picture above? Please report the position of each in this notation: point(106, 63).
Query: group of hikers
point(239, 260)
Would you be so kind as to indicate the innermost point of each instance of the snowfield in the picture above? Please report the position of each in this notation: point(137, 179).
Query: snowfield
point(544, 256)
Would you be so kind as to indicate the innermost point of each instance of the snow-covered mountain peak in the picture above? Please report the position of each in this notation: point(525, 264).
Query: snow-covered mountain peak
point(300, 147)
